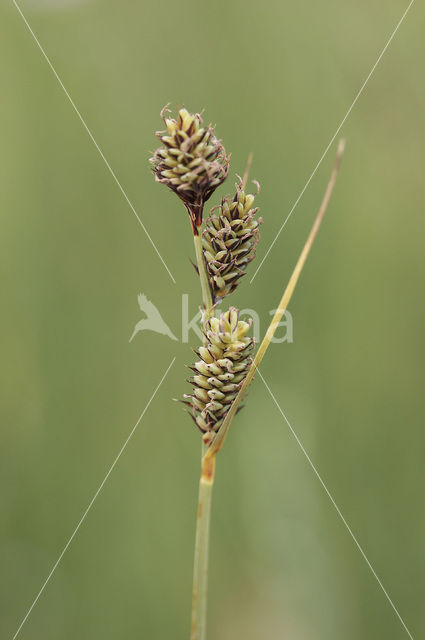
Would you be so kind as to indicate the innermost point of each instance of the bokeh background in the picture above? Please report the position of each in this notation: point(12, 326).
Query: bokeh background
point(276, 78)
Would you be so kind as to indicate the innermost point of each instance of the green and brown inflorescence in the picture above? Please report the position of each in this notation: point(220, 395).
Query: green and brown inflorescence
point(229, 241)
point(221, 369)
point(192, 161)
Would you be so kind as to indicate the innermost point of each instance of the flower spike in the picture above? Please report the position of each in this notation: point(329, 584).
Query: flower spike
point(229, 241)
point(192, 162)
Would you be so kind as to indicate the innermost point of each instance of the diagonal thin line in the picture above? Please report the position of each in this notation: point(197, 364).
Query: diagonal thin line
point(335, 505)
point(93, 499)
point(102, 155)
point(333, 138)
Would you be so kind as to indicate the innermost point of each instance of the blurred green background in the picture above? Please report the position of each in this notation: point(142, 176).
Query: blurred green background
point(276, 78)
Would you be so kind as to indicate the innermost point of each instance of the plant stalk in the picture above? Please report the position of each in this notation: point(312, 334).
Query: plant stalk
point(200, 569)
point(205, 285)
point(206, 482)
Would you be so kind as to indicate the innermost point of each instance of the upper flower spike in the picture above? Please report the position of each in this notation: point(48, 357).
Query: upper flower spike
point(192, 162)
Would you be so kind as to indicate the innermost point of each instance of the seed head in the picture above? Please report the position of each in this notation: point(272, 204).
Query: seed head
point(191, 162)
point(221, 369)
point(229, 241)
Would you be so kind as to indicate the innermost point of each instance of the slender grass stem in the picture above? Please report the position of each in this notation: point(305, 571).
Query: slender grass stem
point(205, 285)
point(206, 482)
point(200, 569)
point(218, 441)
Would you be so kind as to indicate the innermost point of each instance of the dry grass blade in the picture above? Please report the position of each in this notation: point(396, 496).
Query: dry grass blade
point(218, 441)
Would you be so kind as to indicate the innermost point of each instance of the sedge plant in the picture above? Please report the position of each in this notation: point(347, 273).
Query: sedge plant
point(192, 162)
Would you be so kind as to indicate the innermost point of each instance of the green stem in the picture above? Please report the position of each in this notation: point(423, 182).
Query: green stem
point(205, 285)
point(200, 569)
